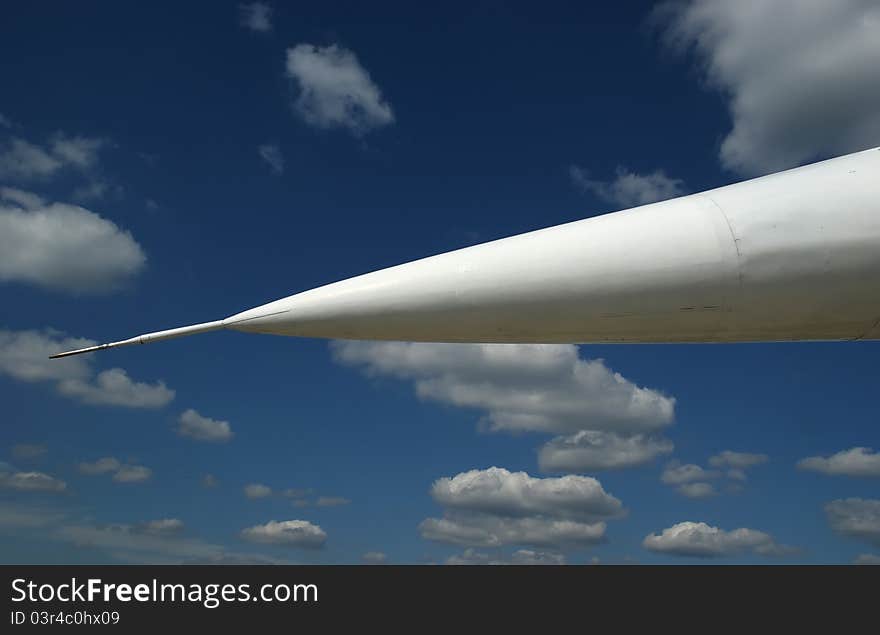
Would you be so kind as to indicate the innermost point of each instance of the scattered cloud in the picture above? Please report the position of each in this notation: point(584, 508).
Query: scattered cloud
point(30, 482)
point(122, 472)
point(63, 247)
point(296, 492)
point(103, 465)
point(5, 121)
point(691, 480)
point(519, 557)
point(374, 557)
point(700, 540)
point(737, 460)
point(24, 356)
point(590, 450)
point(628, 189)
point(132, 474)
point(867, 558)
point(209, 481)
point(256, 16)
point(153, 542)
point(857, 518)
point(271, 154)
point(799, 77)
point(532, 388)
point(334, 90)
point(257, 490)
point(331, 501)
point(496, 507)
point(195, 426)
point(28, 451)
point(114, 388)
point(291, 533)
point(858, 461)
point(21, 160)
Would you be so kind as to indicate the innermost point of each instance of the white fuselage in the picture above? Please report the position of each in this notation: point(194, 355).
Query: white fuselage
point(790, 256)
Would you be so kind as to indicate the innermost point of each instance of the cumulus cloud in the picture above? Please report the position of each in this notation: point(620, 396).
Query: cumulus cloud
point(113, 387)
point(335, 90)
point(132, 474)
point(374, 557)
point(519, 557)
point(271, 154)
point(590, 450)
point(627, 188)
point(858, 461)
point(193, 425)
point(24, 355)
point(103, 465)
point(496, 507)
point(677, 474)
point(257, 490)
point(153, 542)
point(700, 540)
point(696, 490)
point(256, 16)
point(799, 77)
point(737, 460)
point(331, 501)
point(290, 533)
point(28, 451)
point(532, 388)
point(21, 160)
point(867, 558)
point(857, 518)
point(63, 247)
point(30, 482)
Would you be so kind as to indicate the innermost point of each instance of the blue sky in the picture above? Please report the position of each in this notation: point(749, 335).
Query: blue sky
point(163, 165)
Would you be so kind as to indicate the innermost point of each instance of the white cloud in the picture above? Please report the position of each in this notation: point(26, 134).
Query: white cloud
point(28, 451)
point(496, 507)
point(257, 490)
point(519, 557)
point(867, 558)
point(629, 189)
point(132, 474)
point(532, 388)
point(696, 490)
point(101, 466)
point(590, 450)
point(374, 557)
point(122, 472)
point(483, 530)
point(63, 247)
point(501, 492)
point(25, 161)
point(858, 461)
point(704, 541)
point(256, 16)
point(193, 425)
point(24, 355)
point(292, 533)
point(163, 526)
point(271, 154)
point(857, 518)
point(677, 474)
point(31, 482)
point(335, 90)
point(737, 460)
point(114, 388)
point(331, 501)
point(154, 542)
point(799, 76)
point(78, 151)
